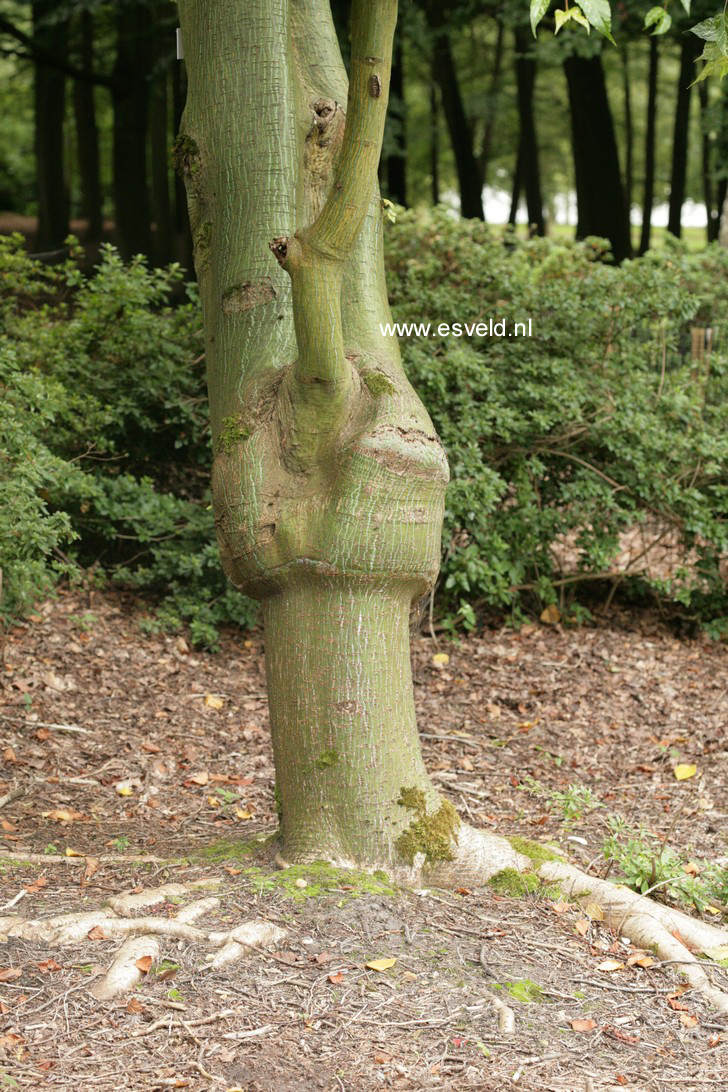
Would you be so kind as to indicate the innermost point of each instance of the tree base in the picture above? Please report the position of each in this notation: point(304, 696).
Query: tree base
point(674, 937)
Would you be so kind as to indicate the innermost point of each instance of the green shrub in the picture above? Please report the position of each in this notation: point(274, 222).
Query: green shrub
point(593, 425)
point(596, 423)
point(107, 438)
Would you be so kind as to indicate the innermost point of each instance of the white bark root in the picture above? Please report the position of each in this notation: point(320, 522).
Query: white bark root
point(505, 1014)
point(240, 942)
point(126, 905)
point(670, 933)
point(124, 974)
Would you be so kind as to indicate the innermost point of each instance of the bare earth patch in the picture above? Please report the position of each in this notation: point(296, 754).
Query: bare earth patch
point(118, 746)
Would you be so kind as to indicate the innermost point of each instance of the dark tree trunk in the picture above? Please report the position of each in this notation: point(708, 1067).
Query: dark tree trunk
point(517, 184)
point(461, 135)
point(397, 161)
point(599, 190)
point(649, 191)
point(710, 212)
point(491, 110)
point(434, 142)
point(161, 160)
point(131, 114)
point(689, 50)
point(87, 133)
point(528, 146)
point(181, 216)
point(628, 133)
point(49, 104)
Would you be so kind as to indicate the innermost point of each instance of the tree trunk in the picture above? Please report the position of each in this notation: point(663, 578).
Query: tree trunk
point(87, 134)
point(49, 104)
point(517, 186)
point(491, 108)
point(397, 160)
point(689, 50)
point(706, 147)
point(528, 145)
point(628, 133)
point(160, 157)
point(434, 141)
point(470, 182)
point(649, 190)
point(130, 97)
point(328, 477)
point(599, 193)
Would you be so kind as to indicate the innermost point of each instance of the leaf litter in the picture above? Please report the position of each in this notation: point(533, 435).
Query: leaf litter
point(619, 709)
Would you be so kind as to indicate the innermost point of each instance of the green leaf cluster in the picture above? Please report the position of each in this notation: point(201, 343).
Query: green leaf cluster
point(105, 438)
point(598, 423)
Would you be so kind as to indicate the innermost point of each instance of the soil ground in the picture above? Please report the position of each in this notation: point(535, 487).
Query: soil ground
point(128, 745)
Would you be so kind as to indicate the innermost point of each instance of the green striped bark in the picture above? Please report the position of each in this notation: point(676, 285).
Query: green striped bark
point(328, 477)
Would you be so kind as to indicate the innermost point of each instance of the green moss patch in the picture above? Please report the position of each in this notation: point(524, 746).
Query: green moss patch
point(524, 990)
point(229, 849)
point(326, 760)
point(378, 384)
point(319, 878)
point(513, 883)
point(232, 432)
point(432, 835)
point(535, 851)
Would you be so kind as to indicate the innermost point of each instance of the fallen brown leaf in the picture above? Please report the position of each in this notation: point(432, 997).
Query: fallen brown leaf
point(144, 964)
point(583, 1025)
point(48, 966)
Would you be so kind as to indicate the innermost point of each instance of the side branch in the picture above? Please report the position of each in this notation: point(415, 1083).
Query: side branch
point(340, 221)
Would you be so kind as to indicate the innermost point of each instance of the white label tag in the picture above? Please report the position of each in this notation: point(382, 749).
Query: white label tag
point(180, 47)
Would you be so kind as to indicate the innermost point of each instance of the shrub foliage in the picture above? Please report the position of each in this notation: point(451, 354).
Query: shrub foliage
point(598, 422)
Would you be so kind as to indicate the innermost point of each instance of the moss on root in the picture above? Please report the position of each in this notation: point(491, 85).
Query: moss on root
point(430, 835)
point(535, 851)
point(513, 883)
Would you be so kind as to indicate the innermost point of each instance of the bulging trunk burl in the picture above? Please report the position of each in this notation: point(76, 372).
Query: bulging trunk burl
point(328, 476)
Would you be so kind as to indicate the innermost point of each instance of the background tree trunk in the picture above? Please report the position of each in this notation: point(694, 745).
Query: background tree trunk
point(130, 94)
point(649, 190)
point(470, 182)
point(516, 188)
point(528, 145)
point(434, 141)
point(49, 96)
point(599, 191)
point(491, 107)
point(707, 173)
point(690, 48)
point(397, 161)
point(87, 134)
point(628, 133)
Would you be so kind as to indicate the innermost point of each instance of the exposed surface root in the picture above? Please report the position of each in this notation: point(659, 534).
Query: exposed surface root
point(125, 972)
point(142, 946)
point(671, 934)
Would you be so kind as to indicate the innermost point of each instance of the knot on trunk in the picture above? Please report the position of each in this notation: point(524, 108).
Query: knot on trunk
point(325, 112)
